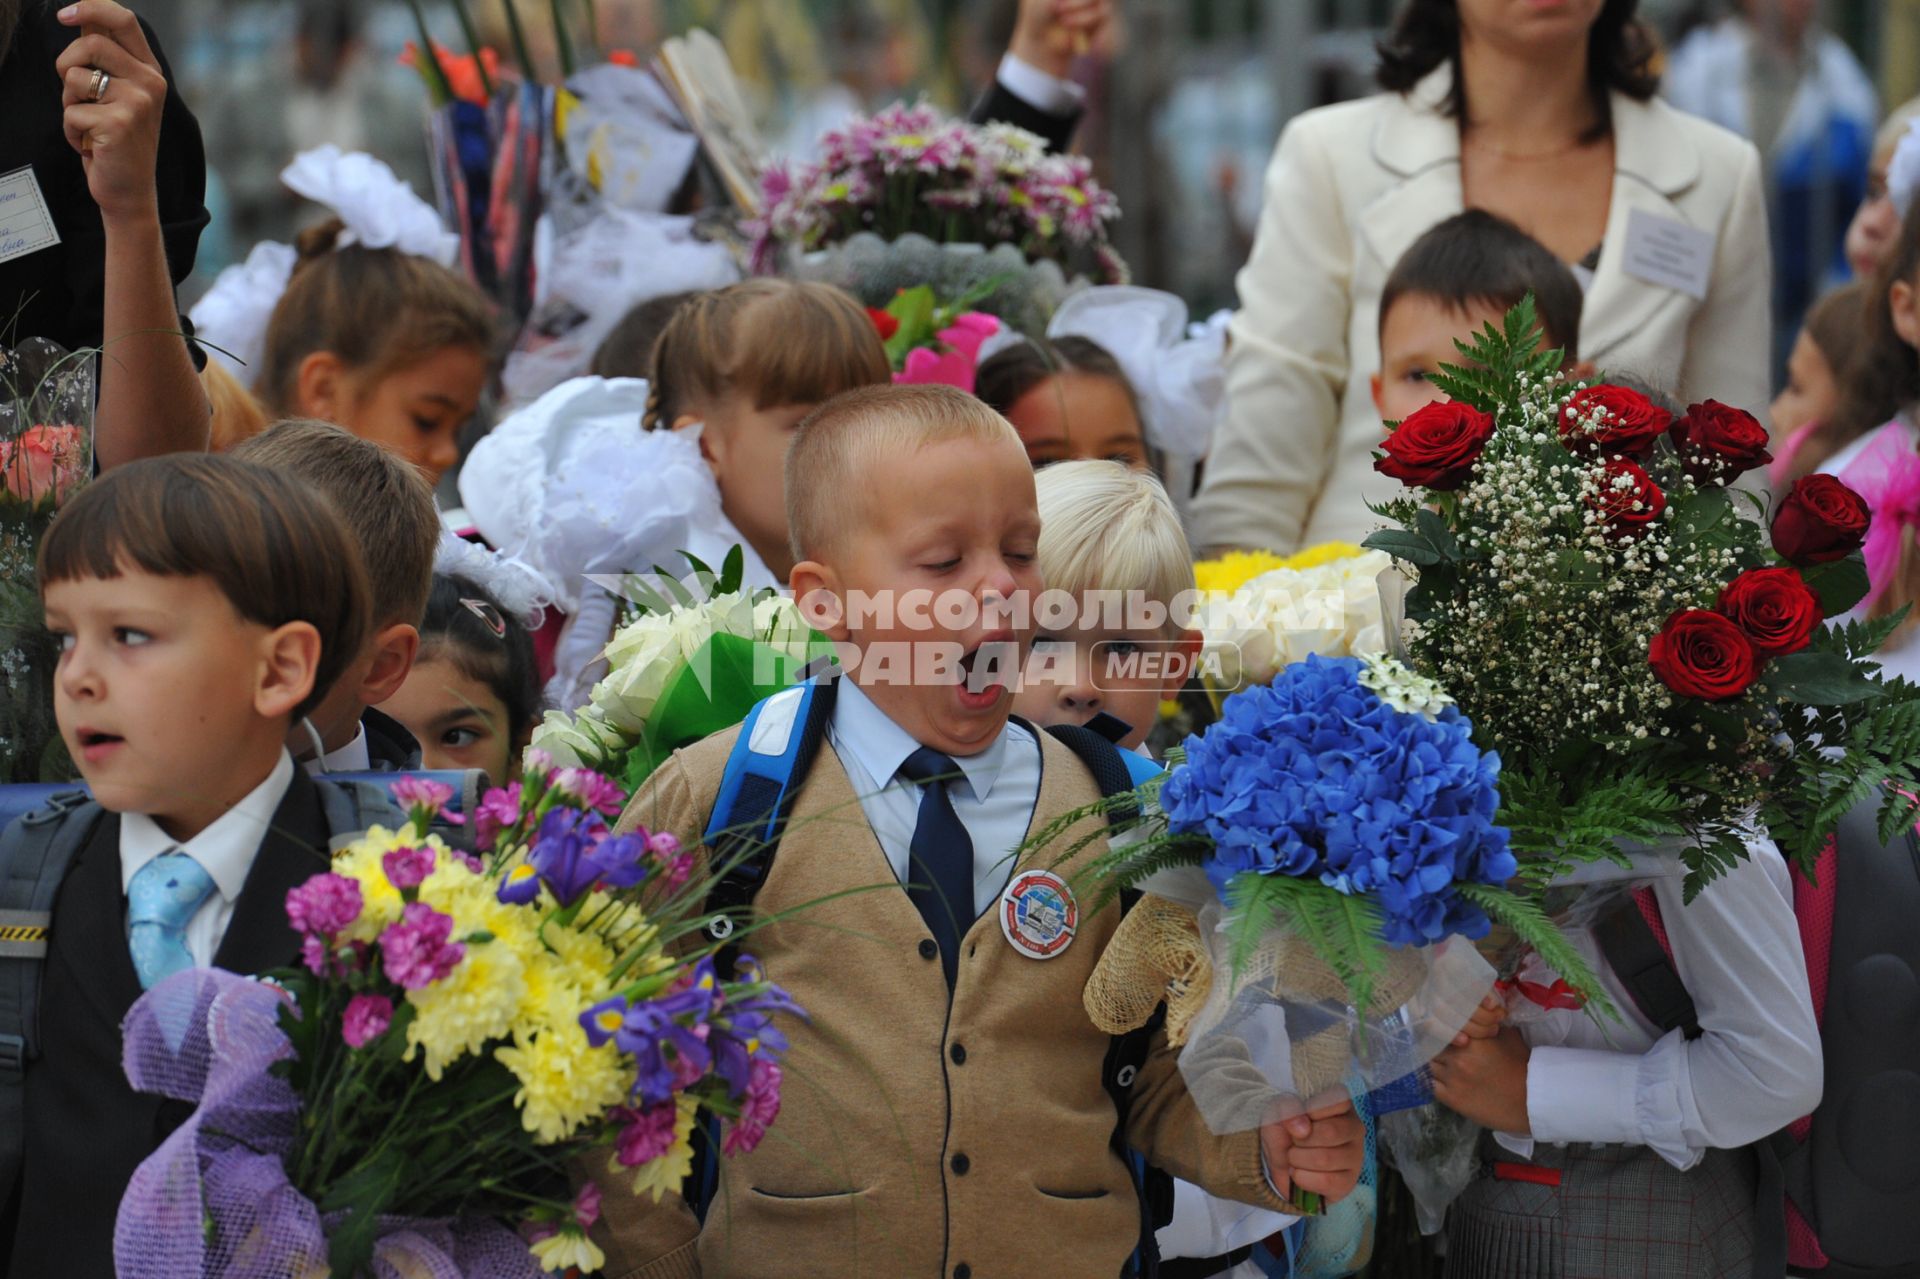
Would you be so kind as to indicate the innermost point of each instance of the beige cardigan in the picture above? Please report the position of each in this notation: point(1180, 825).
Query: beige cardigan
point(888, 1087)
point(1350, 188)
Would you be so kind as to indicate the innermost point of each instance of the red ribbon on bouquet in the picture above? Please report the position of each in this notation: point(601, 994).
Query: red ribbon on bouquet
point(1558, 995)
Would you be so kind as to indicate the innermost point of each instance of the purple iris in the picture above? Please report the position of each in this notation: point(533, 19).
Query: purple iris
point(573, 852)
point(666, 1037)
point(743, 1031)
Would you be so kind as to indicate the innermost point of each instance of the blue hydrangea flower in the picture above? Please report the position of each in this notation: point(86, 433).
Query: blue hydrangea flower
point(1314, 776)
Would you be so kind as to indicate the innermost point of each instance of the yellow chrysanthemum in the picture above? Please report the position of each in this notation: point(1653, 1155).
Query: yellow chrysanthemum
point(1236, 568)
point(472, 1004)
point(567, 1250)
point(360, 861)
point(668, 1173)
point(564, 1080)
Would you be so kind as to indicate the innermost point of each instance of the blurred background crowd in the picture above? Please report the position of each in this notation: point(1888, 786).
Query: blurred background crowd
point(1206, 84)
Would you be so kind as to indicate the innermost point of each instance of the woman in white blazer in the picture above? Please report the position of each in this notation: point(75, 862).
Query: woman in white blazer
point(1554, 127)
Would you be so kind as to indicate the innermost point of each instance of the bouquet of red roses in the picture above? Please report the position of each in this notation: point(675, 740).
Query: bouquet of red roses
point(1654, 654)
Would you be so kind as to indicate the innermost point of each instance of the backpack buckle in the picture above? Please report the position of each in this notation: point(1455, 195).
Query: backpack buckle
point(13, 1057)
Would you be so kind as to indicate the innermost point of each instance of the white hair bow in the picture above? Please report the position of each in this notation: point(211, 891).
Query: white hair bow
point(515, 585)
point(231, 320)
point(1903, 172)
point(380, 211)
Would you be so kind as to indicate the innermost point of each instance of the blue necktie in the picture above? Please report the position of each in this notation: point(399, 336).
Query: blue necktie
point(165, 893)
point(940, 859)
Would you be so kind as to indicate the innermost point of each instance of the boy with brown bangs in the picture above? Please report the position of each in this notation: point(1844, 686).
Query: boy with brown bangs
point(387, 508)
point(202, 605)
point(947, 1113)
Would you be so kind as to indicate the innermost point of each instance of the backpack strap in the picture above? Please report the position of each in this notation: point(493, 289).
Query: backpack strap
point(1117, 771)
point(1643, 961)
point(35, 853)
point(371, 797)
point(769, 763)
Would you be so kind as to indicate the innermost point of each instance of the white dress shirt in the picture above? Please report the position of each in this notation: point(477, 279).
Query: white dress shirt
point(225, 850)
point(354, 757)
point(1754, 1069)
point(993, 798)
point(1036, 88)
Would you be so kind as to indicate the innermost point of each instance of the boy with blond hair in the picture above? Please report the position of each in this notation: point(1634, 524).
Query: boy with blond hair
point(946, 1111)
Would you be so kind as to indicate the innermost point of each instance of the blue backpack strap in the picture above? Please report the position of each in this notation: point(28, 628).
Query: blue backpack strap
point(769, 763)
point(35, 852)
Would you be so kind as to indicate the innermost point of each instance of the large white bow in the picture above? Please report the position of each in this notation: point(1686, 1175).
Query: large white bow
point(380, 211)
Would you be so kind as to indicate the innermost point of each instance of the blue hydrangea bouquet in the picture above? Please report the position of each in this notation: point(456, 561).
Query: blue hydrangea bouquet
point(1316, 867)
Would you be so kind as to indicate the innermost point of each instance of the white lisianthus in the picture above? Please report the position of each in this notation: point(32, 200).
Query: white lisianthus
point(1283, 616)
point(581, 741)
point(644, 654)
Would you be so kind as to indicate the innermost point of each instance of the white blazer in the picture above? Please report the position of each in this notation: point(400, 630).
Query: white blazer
point(1352, 186)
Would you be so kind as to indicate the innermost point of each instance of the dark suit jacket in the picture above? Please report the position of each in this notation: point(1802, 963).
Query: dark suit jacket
point(86, 1129)
point(390, 747)
point(999, 103)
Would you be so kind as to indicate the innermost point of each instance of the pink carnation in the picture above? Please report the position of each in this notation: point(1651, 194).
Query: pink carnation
point(586, 1206)
point(648, 1133)
point(421, 792)
point(676, 864)
point(366, 1019)
point(498, 810)
point(408, 868)
point(417, 950)
point(759, 1107)
point(325, 905)
point(594, 792)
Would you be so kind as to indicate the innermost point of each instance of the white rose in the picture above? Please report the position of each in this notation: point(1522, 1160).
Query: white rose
point(574, 743)
point(778, 623)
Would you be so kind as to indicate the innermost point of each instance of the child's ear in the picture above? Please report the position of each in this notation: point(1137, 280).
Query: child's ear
point(1901, 307)
point(712, 447)
point(393, 648)
point(1188, 644)
point(1379, 400)
point(816, 589)
point(320, 386)
point(292, 656)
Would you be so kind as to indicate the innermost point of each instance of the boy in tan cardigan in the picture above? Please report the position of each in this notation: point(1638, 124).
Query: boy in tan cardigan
point(945, 1114)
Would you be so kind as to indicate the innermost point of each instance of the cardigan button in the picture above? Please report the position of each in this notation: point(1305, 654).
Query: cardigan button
point(960, 1165)
point(963, 1271)
point(959, 1054)
point(929, 948)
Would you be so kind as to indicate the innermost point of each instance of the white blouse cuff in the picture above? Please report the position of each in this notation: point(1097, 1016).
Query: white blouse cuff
point(1038, 89)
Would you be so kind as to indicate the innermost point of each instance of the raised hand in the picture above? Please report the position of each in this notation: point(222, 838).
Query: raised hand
point(113, 92)
point(1049, 34)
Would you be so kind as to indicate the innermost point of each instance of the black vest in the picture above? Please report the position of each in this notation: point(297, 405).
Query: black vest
point(86, 1129)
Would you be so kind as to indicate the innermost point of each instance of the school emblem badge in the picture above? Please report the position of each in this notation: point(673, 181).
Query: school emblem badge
point(1038, 914)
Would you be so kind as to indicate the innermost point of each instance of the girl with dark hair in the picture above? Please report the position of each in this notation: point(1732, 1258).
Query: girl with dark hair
point(472, 698)
point(1540, 111)
point(1069, 399)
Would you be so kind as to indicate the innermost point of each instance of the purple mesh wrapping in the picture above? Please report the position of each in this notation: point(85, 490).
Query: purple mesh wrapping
point(214, 1199)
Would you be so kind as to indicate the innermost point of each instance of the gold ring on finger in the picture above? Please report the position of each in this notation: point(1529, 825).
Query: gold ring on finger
point(97, 87)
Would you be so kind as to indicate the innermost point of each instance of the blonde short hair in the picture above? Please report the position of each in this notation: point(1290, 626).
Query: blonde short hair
point(1105, 526)
point(842, 446)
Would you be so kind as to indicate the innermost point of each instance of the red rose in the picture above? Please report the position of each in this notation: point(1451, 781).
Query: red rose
point(1819, 520)
point(1612, 421)
point(1436, 447)
point(1775, 608)
point(884, 322)
point(1628, 501)
point(1702, 654)
point(1718, 442)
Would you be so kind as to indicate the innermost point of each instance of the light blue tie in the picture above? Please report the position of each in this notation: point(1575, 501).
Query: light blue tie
point(165, 893)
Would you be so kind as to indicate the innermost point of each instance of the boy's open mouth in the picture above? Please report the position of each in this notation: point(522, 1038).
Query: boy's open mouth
point(96, 745)
point(987, 672)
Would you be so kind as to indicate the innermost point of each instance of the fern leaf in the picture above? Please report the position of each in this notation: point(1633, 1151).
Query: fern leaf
point(1532, 926)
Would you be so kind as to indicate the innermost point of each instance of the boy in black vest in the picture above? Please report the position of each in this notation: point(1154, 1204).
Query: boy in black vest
point(202, 606)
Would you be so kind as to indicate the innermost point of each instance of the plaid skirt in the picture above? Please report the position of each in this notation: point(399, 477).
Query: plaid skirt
point(1618, 1211)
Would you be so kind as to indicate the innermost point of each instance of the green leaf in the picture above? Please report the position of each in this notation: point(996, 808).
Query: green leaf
point(1532, 926)
point(1705, 510)
point(1431, 526)
point(1820, 679)
point(733, 571)
point(1402, 545)
point(914, 309)
point(1840, 585)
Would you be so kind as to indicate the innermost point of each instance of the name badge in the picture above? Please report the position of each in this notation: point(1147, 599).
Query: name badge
point(26, 226)
point(1669, 253)
point(1038, 914)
